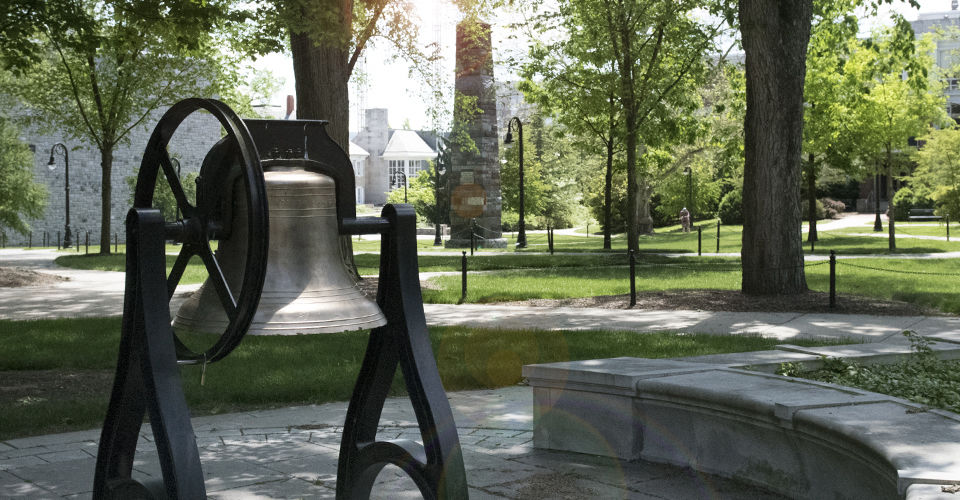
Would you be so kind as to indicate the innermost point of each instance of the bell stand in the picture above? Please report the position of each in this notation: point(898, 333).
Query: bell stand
point(436, 466)
point(147, 378)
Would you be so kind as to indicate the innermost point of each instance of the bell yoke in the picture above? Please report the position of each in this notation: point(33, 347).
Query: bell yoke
point(298, 285)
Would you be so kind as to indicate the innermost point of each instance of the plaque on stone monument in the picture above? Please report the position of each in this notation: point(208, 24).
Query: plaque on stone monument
point(468, 200)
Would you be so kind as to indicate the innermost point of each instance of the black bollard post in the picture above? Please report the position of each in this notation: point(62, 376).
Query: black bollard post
point(463, 277)
point(116, 243)
point(86, 244)
point(58, 240)
point(473, 236)
point(633, 277)
point(550, 238)
point(30, 241)
point(718, 236)
point(833, 279)
point(947, 218)
point(699, 240)
point(44, 239)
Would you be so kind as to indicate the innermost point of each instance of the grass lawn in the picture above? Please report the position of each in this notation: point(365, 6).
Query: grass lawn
point(274, 371)
point(653, 274)
point(929, 282)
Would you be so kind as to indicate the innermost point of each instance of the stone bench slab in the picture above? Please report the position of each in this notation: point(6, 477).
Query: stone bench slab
point(802, 438)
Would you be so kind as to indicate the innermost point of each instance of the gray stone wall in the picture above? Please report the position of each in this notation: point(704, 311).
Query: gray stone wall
point(474, 77)
point(189, 144)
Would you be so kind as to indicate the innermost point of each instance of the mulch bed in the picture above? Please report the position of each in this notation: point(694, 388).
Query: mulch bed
point(734, 301)
point(722, 300)
point(14, 277)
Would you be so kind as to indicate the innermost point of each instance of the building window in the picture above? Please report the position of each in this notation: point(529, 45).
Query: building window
point(409, 167)
point(396, 180)
point(358, 168)
point(360, 195)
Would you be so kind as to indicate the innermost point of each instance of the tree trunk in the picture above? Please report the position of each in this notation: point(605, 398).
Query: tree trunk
point(775, 35)
point(812, 194)
point(644, 220)
point(106, 190)
point(892, 238)
point(322, 73)
point(608, 196)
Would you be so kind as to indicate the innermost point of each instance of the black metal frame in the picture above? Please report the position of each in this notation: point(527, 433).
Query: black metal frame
point(147, 377)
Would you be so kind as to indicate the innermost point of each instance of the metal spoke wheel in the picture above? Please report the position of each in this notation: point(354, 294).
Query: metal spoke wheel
point(234, 161)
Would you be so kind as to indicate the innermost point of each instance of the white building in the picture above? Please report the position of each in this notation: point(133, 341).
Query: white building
point(358, 157)
point(948, 50)
point(391, 154)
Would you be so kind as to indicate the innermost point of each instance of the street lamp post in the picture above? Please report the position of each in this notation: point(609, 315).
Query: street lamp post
point(437, 240)
point(521, 232)
point(60, 148)
point(404, 174)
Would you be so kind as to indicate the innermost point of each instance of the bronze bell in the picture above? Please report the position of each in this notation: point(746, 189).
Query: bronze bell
point(307, 289)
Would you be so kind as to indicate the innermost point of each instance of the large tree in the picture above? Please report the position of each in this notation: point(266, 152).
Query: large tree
point(902, 99)
point(97, 69)
point(657, 54)
point(775, 36)
point(829, 138)
point(577, 84)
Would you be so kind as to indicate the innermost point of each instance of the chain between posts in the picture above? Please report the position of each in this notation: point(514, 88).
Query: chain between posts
point(925, 273)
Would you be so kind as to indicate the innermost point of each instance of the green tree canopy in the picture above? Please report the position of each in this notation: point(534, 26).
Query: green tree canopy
point(20, 196)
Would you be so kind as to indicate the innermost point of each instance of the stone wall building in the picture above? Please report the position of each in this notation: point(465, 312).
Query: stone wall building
point(189, 145)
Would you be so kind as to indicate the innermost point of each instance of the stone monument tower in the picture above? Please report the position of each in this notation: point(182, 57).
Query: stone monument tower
point(474, 180)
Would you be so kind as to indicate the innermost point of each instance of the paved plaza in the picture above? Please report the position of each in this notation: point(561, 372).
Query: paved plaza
point(292, 452)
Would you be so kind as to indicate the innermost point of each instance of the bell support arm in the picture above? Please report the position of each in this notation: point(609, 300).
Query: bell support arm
point(436, 466)
point(147, 378)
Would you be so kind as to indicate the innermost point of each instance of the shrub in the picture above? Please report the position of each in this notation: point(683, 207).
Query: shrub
point(731, 207)
point(509, 221)
point(907, 199)
point(832, 208)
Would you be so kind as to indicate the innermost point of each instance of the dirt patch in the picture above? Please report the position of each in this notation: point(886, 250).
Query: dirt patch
point(734, 301)
point(14, 277)
point(20, 388)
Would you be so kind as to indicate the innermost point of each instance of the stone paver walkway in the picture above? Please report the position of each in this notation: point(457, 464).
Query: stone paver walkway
point(292, 453)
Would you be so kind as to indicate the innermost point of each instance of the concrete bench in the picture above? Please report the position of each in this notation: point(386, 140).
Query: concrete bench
point(801, 438)
point(922, 214)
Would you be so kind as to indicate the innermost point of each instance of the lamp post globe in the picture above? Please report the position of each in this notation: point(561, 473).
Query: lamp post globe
point(60, 149)
point(521, 226)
